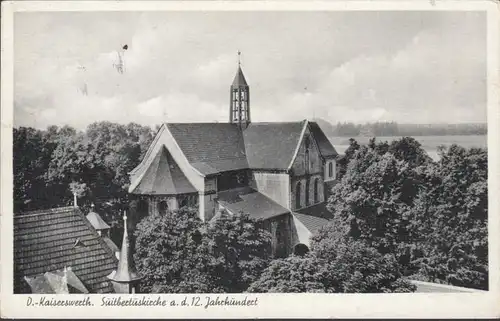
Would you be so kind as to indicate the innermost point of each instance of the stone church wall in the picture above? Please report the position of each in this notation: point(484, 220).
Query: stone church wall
point(303, 184)
point(276, 186)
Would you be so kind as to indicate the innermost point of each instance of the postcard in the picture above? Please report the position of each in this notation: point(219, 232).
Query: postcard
point(250, 159)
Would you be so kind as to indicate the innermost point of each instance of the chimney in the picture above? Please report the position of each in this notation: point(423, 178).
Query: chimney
point(75, 202)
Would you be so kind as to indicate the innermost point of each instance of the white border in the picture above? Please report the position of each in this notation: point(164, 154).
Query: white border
point(422, 305)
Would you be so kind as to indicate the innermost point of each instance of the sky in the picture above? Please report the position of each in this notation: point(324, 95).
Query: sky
point(409, 67)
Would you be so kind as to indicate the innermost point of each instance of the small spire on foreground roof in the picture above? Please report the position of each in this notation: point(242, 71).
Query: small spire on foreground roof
point(126, 271)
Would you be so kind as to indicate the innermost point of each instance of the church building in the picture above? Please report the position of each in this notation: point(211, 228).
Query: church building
point(276, 171)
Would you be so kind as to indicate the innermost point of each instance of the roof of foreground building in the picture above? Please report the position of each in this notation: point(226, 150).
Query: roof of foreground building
point(50, 241)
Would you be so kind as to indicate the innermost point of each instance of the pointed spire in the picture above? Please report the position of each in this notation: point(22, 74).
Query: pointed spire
point(126, 272)
point(239, 79)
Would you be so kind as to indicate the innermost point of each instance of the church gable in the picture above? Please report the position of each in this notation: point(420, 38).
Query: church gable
point(308, 158)
point(325, 146)
point(163, 177)
point(164, 139)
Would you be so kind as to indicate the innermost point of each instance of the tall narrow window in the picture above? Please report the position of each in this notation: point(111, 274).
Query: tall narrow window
point(307, 143)
point(297, 195)
point(316, 187)
point(306, 160)
point(330, 170)
point(307, 192)
point(162, 208)
point(142, 209)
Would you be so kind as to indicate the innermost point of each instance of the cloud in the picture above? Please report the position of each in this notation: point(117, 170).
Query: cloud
point(342, 66)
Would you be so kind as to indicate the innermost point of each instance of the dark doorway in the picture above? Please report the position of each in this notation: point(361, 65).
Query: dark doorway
point(300, 249)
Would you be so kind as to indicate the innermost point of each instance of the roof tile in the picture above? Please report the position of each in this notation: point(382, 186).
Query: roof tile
point(163, 177)
point(314, 217)
point(38, 250)
point(251, 202)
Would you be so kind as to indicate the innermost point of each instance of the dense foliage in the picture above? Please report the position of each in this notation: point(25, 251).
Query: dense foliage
point(177, 253)
point(450, 216)
point(343, 160)
point(335, 265)
point(396, 212)
point(293, 274)
point(171, 253)
point(47, 162)
point(241, 248)
point(432, 216)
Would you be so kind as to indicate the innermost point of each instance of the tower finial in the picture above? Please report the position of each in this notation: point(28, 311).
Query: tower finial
point(239, 55)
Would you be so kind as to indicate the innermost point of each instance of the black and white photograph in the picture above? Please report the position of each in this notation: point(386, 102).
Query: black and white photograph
point(241, 152)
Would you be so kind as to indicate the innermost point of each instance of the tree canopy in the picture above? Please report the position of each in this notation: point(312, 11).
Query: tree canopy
point(177, 253)
point(431, 215)
point(336, 264)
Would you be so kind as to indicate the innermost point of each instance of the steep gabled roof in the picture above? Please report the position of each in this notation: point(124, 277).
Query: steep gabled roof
point(211, 147)
point(314, 217)
point(96, 221)
point(251, 202)
point(271, 145)
point(50, 240)
point(112, 246)
point(56, 282)
point(325, 146)
point(163, 177)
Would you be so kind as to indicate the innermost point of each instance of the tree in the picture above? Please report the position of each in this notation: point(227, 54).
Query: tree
point(294, 274)
point(409, 150)
point(171, 252)
point(372, 198)
point(450, 217)
point(178, 253)
point(31, 157)
point(344, 160)
point(241, 248)
point(336, 264)
point(354, 266)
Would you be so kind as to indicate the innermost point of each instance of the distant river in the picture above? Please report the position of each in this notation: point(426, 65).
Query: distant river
point(429, 143)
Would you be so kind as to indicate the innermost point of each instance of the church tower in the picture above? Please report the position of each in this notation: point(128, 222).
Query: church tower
point(239, 111)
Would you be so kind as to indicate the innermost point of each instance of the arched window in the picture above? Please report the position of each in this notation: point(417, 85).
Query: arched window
point(162, 207)
point(307, 192)
point(297, 195)
point(330, 169)
point(183, 201)
point(307, 143)
point(316, 187)
point(142, 208)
